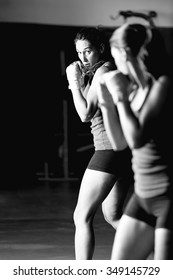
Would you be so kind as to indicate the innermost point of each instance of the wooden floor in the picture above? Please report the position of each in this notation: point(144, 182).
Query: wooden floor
point(36, 223)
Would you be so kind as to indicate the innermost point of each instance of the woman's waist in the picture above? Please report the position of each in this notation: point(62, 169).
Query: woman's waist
point(152, 172)
point(150, 157)
point(101, 141)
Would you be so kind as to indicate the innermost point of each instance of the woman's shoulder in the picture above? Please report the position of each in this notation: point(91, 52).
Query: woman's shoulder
point(160, 93)
point(105, 67)
point(161, 82)
point(165, 80)
point(110, 65)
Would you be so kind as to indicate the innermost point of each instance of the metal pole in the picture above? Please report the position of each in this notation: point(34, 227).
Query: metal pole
point(65, 131)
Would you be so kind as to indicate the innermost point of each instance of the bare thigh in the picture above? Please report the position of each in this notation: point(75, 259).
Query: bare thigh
point(115, 201)
point(163, 244)
point(95, 186)
point(134, 240)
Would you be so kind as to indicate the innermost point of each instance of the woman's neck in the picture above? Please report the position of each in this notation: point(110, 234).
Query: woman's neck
point(137, 73)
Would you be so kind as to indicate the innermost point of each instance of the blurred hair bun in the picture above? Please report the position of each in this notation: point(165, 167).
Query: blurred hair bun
point(133, 36)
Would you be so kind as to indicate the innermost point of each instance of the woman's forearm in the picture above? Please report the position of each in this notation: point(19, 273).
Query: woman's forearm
point(130, 124)
point(113, 127)
point(80, 104)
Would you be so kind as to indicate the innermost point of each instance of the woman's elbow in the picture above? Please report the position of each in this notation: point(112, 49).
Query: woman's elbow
point(84, 119)
point(136, 143)
point(137, 138)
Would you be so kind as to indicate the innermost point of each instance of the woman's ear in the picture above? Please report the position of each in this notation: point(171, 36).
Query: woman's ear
point(102, 48)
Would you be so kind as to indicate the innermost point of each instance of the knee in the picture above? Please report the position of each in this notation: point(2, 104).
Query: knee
point(81, 217)
point(112, 218)
point(76, 216)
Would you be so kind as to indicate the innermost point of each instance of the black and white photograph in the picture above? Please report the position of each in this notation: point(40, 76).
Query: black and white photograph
point(86, 139)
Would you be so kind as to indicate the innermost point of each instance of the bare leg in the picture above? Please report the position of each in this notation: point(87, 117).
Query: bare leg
point(163, 244)
point(95, 186)
point(134, 240)
point(114, 203)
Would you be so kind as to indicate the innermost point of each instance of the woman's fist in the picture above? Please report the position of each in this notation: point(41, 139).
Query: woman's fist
point(74, 75)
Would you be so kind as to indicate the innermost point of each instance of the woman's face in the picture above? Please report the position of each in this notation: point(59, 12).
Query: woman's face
point(120, 60)
point(87, 53)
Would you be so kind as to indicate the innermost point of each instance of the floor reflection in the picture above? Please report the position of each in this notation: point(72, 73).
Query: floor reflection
point(36, 223)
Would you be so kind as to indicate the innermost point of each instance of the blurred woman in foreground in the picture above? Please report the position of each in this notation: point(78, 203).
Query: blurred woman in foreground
point(143, 105)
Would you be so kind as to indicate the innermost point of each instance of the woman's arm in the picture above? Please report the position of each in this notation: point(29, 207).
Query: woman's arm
point(86, 104)
point(137, 128)
point(76, 85)
point(111, 118)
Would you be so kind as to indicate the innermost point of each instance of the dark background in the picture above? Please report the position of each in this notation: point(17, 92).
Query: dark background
point(33, 91)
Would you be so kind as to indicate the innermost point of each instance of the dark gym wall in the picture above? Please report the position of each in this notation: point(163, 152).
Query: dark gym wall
point(33, 88)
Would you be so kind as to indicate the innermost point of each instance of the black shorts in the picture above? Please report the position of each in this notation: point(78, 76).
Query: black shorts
point(114, 162)
point(156, 211)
